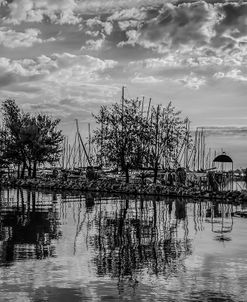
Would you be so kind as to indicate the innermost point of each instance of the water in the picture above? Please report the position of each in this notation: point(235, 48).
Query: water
point(96, 248)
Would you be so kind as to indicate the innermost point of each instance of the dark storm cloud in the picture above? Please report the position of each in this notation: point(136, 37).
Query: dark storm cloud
point(192, 24)
point(177, 25)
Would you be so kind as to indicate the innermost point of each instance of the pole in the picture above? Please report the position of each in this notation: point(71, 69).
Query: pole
point(83, 146)
point(89, 140)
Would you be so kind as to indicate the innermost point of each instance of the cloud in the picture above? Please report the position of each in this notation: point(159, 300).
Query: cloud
point(92, 33)
point(192, 81)
point(145, 79)
point(129, 14)
point(58, 11)
point(99, 30)
point(55, 77)
point(12, 39)
point(177, 25)
point(111, 6)
point(93, 44)
point(235, 74)
point(70, 11)
point(192, 33)
point(59, 84)
point(170, 60)
point(104, 27)
point(55, 63)
point(79, 105)
point(128, 24)
point(132, 36)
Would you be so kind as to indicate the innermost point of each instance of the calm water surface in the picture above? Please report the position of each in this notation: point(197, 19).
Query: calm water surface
point(96, 248)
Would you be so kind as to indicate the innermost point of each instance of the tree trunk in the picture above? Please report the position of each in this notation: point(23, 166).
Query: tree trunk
point(127, 174)
point(23, 169)
point(18, 171)
point(30, 169)
point(155, 172)
point(33, 201)
point(34, 169)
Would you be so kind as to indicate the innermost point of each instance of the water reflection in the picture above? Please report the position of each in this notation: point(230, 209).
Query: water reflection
point(27, 226)
point(127, 235)
point(119, 248)
point(140, 235)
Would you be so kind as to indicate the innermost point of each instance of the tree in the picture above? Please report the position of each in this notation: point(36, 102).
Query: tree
point(168, 137)
point(128, 138)
point(13, 151)
point(121, 135)
point(29, 140)
point(42, 141)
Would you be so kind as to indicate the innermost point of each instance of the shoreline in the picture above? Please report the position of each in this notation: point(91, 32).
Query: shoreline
point(116, 187)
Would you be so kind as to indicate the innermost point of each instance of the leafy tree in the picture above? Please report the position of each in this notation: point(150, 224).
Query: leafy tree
point(168, 137)
point(13, 151)
point(42, 141)
point(128, 138)
point(121, 135)
point(29, 140)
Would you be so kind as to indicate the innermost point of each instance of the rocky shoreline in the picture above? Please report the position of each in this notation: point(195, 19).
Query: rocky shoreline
point(115, 186)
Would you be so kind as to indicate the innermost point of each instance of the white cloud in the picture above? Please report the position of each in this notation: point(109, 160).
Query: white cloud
point(61, 68)
point(192, 81)
point(50, 79)
point(108, 28)
point(91, 22)
point(127, 24)
point(197, 58)
point(104, 27)
point(92, 33)
point(235, 74)
point(93, 44)
point(12, 39)
point(128, 14)
point(132, 35)
point(145, 79)
point(171, 60)
point(59, 11)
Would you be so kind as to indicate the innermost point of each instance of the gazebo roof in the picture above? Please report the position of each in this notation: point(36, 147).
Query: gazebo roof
point(223, 158)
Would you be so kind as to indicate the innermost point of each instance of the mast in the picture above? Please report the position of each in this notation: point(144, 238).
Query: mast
point(89, 140)
point(149, 104)
point(83, 146)
point(101, 143)
point(122, 134)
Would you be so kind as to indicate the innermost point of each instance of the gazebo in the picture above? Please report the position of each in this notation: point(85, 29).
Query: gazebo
point(225, 178)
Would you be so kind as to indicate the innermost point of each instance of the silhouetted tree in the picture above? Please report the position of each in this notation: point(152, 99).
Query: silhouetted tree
point(168, 135)
point(128, 138)
point(29, 140)
point(121, 135)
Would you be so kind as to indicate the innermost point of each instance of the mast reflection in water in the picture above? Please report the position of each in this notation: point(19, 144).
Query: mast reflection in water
point(112, 248)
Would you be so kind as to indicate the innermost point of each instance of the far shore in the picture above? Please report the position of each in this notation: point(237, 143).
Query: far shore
point(116, 186)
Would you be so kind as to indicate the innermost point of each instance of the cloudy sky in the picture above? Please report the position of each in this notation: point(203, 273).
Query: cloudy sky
point(67, 57)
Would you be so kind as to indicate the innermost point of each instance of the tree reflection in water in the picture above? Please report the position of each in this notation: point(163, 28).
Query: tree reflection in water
point(128, 238)
point(139, 237)
point(27, 226)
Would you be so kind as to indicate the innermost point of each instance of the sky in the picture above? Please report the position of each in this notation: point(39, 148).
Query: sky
point(68, 57)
